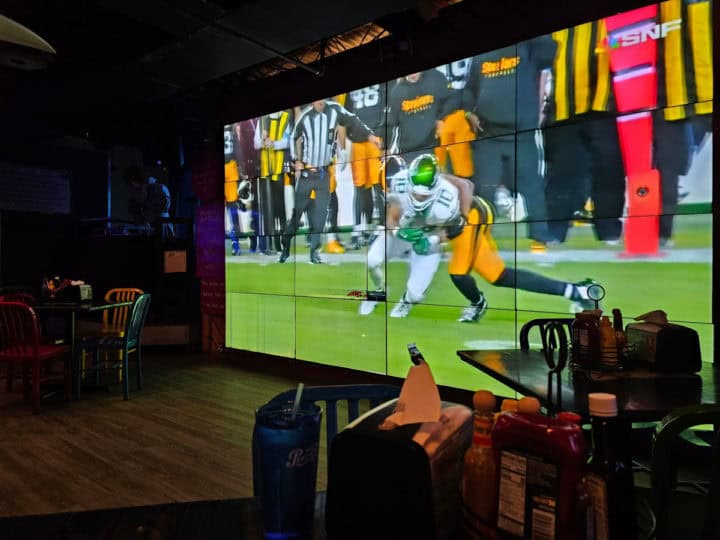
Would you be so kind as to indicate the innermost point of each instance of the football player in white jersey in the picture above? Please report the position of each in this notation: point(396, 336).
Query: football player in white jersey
point(442, 207)
point(396, 240)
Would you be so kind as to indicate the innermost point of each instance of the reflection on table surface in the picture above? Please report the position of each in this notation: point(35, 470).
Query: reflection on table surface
point(642, 395)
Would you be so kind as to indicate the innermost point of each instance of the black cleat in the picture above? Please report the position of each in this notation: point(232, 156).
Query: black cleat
point(474, 312)
point(314, 257)
point(284, 255)
point(580, 299)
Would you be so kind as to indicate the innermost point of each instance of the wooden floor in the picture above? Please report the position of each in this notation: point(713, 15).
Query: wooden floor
point(184, 437)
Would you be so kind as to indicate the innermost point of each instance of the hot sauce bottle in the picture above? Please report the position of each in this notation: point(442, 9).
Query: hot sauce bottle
point(610, 477)
point(479, 479)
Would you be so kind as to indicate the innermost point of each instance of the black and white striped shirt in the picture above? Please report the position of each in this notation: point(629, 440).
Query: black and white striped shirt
point(313, 137)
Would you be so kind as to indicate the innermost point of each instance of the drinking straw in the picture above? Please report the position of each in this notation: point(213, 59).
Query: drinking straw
point(296, 404)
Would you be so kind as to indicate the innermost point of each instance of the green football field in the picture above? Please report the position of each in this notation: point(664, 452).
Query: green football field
point(311, 312)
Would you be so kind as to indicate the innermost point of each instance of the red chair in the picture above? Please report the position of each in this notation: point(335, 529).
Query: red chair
point(25, 298)
point(20, 343)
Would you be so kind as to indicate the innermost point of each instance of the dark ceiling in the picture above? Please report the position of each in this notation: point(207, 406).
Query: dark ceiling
point(124, 65)
point(123, 52)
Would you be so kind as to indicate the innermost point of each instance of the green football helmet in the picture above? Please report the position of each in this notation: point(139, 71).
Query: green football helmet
point(423, 176)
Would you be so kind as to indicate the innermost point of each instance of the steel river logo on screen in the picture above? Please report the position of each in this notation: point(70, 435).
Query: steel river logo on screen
point(626, 38)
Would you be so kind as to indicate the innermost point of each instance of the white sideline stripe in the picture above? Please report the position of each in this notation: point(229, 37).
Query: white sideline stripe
point(673, 255)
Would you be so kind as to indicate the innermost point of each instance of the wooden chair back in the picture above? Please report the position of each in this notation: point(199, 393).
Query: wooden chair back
point(116, 319)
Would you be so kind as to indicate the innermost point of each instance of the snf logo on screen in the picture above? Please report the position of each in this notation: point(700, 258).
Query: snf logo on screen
point(628, 38)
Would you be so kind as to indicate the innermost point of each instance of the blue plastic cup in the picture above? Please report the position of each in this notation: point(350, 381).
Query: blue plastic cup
point(286, 456)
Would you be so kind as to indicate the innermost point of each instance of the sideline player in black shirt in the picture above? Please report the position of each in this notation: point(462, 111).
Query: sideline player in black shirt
point(369, 104)
point(502, 97)
point(582, 146)
point(418, 103)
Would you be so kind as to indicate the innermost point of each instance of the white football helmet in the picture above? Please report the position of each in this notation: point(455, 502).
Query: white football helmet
point(395, 171)
point(245, 195)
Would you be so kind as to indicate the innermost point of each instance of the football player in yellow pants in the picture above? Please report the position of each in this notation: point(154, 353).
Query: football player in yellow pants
point(454, 136)
point(366, 167)
point(232, 179)
point(442, 206)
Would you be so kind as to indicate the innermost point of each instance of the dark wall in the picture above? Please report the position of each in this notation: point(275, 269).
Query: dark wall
point(87, 166)
point(137, 261)
point(33, 246)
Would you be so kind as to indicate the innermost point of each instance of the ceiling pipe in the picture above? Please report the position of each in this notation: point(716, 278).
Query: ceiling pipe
point(231, 31)
point(263, 46)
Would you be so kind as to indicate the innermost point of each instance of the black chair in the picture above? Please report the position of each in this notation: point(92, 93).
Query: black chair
point(330, 396)
point(692, 511)
point(543, 326)
point(555, 336)
point(126, 344)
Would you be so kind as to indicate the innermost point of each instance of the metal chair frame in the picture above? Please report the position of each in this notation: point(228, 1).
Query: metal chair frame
point(20, 343)
point(555, 346)
point(663, 474)
point(126, 344)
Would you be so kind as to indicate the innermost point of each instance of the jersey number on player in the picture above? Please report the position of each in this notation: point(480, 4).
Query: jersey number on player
point(228, 142)
point(367, 97)
point(445, 198)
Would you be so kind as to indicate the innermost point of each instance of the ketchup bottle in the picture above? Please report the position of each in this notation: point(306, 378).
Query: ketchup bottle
point(541, 461)
point(585, 508)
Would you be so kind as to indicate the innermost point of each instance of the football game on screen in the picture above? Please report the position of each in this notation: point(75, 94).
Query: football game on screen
point(448, 207)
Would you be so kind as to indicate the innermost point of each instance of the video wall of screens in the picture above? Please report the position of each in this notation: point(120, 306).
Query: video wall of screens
point(450, 206)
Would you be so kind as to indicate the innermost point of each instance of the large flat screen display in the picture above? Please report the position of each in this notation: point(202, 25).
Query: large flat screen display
point(450, 206)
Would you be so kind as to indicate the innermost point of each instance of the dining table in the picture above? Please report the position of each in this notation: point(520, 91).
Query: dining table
point(71, 310)
point(221, 519)
point(642, 395)
point(231, 519)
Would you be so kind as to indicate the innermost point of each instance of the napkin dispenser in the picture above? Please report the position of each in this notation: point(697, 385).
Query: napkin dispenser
point(75, 293)
point(662, 346)
point(85, 292)
point(397, 483)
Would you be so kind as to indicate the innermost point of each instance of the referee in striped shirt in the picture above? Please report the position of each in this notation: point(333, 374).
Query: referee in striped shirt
point(312, 146)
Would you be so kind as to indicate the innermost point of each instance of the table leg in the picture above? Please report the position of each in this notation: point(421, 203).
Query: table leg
point(75, 362)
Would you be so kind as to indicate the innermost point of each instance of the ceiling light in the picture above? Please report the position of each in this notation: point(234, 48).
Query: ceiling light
point(22, 48)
